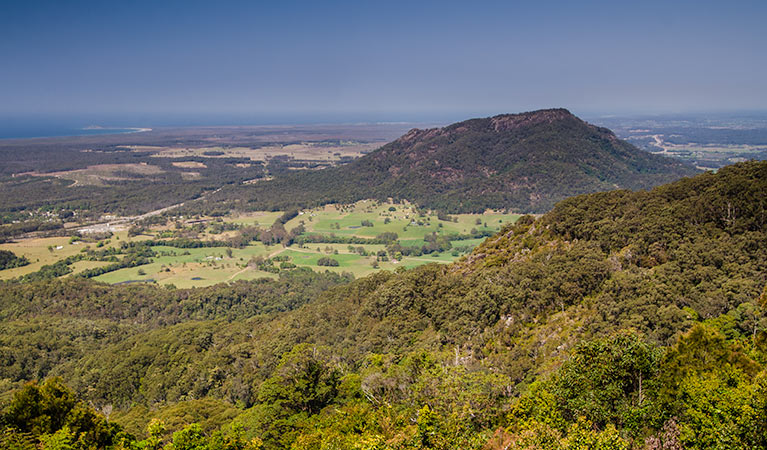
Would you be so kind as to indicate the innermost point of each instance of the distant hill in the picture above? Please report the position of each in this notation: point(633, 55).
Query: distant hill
point(525, 162)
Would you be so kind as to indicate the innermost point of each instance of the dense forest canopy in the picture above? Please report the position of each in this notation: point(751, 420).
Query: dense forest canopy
point(618, 320)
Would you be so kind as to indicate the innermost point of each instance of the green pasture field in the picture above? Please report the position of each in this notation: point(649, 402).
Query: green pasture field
point(44, 251)
point(195, 267)
point(347, 221)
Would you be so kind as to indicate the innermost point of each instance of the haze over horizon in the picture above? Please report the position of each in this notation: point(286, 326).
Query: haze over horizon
point(385, 61)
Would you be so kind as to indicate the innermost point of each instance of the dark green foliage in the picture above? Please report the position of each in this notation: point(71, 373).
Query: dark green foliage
point(316, 238)
point(8, 260)
point(49, 271)
point(155, 306)
point(303, 383)
point(387, 237)
point(49, 407)
point(327, 261)
point(732, 200)
point(15, 229)
point(607, 381)
point(47, 324)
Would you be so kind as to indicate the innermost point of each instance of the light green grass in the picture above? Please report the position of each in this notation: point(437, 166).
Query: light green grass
point(205, 266)
point(264, 219)
point(181, 267)
point(186, 275)
point(403, 221)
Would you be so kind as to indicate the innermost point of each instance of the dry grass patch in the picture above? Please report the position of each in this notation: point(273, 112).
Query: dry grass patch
point(96, 175)
point(189, 164)
point(308, 151)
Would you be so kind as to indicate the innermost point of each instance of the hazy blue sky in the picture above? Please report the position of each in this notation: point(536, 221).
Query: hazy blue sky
point(390, 58)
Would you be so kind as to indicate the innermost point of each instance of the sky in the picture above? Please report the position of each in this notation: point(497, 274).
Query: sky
point(392, 60)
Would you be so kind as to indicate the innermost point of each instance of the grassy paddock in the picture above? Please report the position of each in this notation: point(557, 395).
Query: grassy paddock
point(205, 266)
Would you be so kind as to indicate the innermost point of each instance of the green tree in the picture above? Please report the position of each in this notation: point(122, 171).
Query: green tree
point(46, 409)
point(62, 439)
point(304, 382)
point(607, 380)
point(190, 437)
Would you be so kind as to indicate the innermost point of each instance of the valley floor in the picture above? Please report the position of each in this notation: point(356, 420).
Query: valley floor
point(359, 224)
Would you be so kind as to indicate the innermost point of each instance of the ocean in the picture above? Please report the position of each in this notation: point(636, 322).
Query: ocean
point(41, 131)
point(49, 125)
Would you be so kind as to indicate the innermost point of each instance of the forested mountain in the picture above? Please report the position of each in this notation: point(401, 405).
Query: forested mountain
point(524, 162)
point(618, 320)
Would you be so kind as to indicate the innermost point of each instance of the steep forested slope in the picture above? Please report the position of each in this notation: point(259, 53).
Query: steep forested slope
point(525, 162)
point(618, 320)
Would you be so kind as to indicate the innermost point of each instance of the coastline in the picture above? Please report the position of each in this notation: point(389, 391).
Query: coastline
point(79, 132)
point(134, 130)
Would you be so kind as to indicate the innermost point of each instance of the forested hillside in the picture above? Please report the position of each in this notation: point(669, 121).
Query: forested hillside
point(618, 320)
point(524, 162)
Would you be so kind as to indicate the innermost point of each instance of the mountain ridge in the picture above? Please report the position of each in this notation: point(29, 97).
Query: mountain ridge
point(523, 162)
